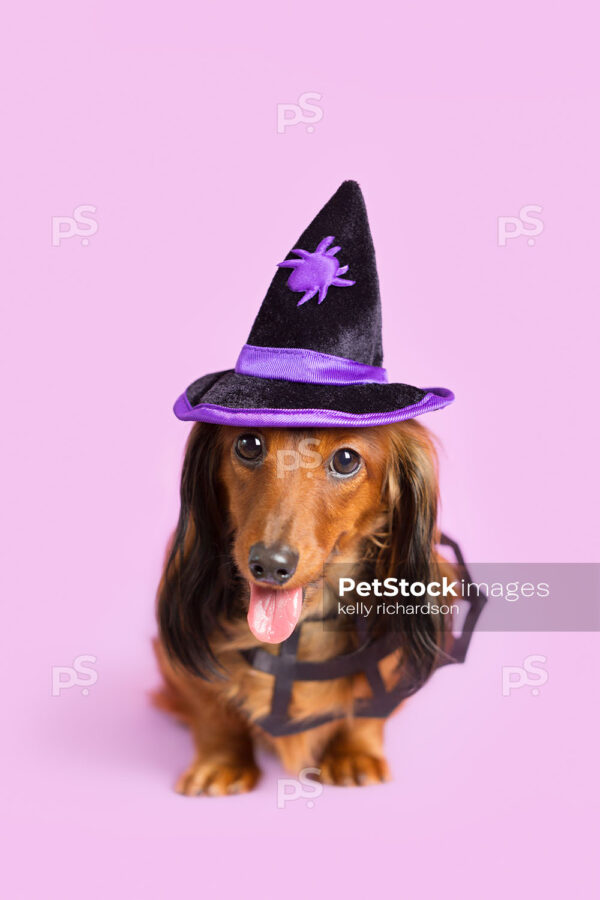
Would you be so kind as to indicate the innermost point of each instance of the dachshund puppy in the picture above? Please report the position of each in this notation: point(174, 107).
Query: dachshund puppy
point(267, 515)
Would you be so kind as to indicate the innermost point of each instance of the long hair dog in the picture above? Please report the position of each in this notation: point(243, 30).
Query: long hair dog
point(285, 508)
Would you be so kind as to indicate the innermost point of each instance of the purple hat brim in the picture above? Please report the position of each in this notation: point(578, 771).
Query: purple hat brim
point(230, 410)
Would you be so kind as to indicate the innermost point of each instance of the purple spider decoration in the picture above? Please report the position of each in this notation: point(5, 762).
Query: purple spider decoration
point(316, 271)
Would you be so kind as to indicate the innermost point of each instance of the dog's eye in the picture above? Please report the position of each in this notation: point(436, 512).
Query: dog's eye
point(345, 462)
point(249, 447)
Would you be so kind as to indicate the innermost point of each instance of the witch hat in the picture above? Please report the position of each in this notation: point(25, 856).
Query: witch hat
point(314, 355)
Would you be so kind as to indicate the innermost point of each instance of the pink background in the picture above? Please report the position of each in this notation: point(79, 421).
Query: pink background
point(163, 117)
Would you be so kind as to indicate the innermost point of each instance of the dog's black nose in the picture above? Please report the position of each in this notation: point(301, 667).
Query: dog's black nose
point(275, 564)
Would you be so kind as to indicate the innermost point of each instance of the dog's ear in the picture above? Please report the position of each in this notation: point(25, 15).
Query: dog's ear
point(411, 494)
point(197, 587)
point(407, 549)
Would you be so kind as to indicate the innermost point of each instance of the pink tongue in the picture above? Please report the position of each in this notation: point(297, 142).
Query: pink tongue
point(272, 614)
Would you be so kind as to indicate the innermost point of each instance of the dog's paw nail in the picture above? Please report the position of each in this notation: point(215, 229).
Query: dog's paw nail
point(218, 779)
point(352, 768)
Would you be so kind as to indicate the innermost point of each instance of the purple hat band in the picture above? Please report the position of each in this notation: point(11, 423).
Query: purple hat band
point(307, 366)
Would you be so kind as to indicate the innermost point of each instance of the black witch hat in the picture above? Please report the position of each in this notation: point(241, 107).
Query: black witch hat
point(314, 355)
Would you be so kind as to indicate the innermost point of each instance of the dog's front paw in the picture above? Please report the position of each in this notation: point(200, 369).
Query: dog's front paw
point(353, 768)
point(217, 779)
